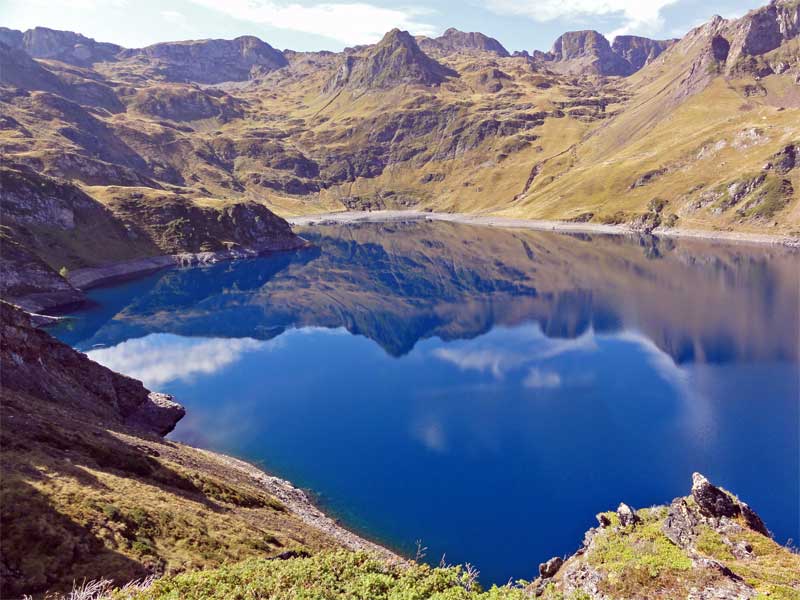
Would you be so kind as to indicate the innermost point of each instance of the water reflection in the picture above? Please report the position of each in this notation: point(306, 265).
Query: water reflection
point(399, 283)
point(485, 390)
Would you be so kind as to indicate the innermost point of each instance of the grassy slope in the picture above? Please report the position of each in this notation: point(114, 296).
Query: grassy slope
point(634, 562)
point(80, 499)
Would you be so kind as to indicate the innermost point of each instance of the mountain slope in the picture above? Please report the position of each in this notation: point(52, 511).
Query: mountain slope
point(682, 140)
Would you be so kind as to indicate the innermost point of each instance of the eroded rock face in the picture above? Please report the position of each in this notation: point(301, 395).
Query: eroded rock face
point(639, 51)
point(717, 503)
point(589, 53)
point(395, 60)
point(65, 46)
point(210, 61)
point(550, 568)
point(36, 363)
point(454, 40)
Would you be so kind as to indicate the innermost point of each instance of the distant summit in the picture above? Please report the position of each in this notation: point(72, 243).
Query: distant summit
point(66, 46)
point(395, 60)
point(589, 53)
point(210, 61)
point(454, 40)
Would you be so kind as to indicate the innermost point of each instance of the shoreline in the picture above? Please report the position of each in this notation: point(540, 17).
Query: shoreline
point(303, 507)
point(89, 277)
point(345, 217)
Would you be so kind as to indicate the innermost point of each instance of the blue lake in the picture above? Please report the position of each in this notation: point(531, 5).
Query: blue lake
point(484, 391)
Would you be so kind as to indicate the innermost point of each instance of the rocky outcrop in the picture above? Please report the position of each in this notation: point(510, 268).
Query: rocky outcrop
point(453, 40)
point(395, 60)
point(716, 503)
point(637, 51)
point(64, 46)
point(37, 364)
point(589, 53)
point(586, 53)
point(26, 280)
point(19, 70)
point(50, 226)
point(176, 225)
point(700, 547)
point(208, 61)
point(186, 103)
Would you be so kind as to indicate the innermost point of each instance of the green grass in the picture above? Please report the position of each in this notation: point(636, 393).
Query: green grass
point(328, 575)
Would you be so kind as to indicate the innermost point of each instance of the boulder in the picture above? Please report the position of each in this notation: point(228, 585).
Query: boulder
point(550, 568)
point(627, 516)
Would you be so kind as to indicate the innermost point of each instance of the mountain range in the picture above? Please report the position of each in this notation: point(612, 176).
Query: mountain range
point(700, 132)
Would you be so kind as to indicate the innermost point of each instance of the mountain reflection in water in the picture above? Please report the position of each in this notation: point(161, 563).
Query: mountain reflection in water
point(524, 380)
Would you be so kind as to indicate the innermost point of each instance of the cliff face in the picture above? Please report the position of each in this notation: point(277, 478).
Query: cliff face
point(35, 364)
point(207, 61)
point(65, 46)
point(453, 40)
point(589, 53)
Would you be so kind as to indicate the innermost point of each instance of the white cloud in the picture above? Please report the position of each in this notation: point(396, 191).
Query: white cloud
point(539, 379)
point(639, 16)
point(350, 23)
point(431, 435)
point(173, 16)
point(487, 360)
point(160, 358)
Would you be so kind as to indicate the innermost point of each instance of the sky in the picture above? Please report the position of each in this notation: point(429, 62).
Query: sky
point(331, 25)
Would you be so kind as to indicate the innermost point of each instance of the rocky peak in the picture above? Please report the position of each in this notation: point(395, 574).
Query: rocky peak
point(65, 46)
point(210, 61)
point(639, 51)
point(395, 60)
point(760, 32)
point(453, 40)
point(587, 53)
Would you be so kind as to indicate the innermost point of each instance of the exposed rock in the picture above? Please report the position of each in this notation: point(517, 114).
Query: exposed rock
point(65, 46)
point(680, 523)
point(589, 53)
point(785, 160)
point(595, 570)
point(647, 177)
point(602, 520)
point(715, 502)
point(627, 516)
point(454, 40)
point(550, 568)
point(637, 51)
point(19, 70)
point(29, 282)
point(395, 60)
point(209, 61)
point(186, 103)
point(36, 363)
point(176, 224)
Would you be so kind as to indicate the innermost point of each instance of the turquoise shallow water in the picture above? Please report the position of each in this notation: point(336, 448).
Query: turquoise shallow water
point(484, 391)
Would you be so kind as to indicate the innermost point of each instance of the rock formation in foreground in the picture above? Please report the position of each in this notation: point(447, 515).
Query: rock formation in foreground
point(709, 545)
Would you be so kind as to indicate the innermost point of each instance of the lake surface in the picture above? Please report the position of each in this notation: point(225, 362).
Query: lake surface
point(485, 391)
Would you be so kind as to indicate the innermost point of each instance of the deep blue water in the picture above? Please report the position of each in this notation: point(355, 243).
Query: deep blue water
point(486, 392)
